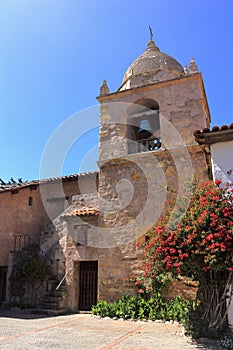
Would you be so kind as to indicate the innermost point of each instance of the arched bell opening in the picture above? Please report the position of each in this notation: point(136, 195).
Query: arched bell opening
point(143, 126)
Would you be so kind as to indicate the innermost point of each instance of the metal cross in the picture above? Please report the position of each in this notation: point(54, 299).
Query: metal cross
point(151, 33)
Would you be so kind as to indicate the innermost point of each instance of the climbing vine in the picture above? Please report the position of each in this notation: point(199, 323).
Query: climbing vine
point(31, 268)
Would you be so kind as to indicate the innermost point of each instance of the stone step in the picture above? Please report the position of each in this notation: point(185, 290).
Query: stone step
point(61, 292)
point(62, 288)
point(59, 295)
point(52, 284)
point(52, 298)
point(49, 305)
point(51, 312)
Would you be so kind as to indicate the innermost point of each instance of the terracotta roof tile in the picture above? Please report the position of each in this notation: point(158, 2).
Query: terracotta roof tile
point(72, 177)
point(82, 212)
point(216, 134)
point(82, 205)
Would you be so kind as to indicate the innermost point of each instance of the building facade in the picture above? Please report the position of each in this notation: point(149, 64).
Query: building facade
point(146, 152)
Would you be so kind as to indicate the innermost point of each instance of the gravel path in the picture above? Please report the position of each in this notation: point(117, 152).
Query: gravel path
point(24, 331)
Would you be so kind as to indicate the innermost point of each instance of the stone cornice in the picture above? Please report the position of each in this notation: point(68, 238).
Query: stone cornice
point(162, 84)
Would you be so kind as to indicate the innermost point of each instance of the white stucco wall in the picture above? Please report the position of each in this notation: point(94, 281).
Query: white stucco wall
point(222, 161)
point(222, 167)
point(230, 313)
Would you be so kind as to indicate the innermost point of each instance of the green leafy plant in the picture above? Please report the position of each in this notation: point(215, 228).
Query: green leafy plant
point(138, 308)
point(31, 268)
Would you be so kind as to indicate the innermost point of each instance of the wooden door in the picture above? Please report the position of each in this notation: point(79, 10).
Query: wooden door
point(3, 274)
point(88, 283)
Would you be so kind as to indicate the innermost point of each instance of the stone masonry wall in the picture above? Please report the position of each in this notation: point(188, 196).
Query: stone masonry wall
point(122, 221)
point(134, 188)
point(18, 217)
point(182, 107)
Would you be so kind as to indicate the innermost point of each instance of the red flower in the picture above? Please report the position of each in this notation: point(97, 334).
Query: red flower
point(230, 269)
point(140, 291)
point(182, 256)
point(159, 230)
point(209, 237)
point(218, 182)
point(223, 246)
point(203, 201)
point(206, 268)
point(177, 264)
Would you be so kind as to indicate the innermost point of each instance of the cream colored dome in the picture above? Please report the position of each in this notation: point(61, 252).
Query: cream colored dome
point(151, 62)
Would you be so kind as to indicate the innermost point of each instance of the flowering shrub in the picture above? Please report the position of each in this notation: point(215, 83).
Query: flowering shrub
point(149, 285)
point(143, 288)
point(200, 246)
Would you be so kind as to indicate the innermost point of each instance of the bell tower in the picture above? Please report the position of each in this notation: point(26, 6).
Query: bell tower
point(147, 152)
point(155, 90)
point(146, 137)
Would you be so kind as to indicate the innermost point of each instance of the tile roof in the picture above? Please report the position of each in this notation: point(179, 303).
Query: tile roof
point(18, 185)
point(216, 134)
point(85, 211)
point(83, 205)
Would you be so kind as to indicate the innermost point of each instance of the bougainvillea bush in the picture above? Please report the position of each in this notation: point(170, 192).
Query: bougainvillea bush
point(199, 246)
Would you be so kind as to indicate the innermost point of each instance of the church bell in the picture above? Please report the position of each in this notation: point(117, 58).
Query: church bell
point(145, 126)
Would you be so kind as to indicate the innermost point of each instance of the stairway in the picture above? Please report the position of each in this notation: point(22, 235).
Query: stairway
point(54, 300)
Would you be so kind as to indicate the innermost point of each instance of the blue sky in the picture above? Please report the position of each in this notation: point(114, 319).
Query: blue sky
point(54, 55)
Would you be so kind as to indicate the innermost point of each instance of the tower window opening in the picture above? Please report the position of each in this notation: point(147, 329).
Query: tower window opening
point(144, 127)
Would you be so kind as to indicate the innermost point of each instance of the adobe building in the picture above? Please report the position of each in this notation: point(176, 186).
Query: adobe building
point(146, 152)
point(146, 146)
point(23, 216)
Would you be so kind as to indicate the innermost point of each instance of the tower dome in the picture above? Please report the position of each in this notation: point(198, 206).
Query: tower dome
point(150, 67)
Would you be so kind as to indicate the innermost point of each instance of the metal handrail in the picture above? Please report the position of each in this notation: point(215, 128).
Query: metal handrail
point(22, 241)
point(152, 144)
point(144, 145)
point(60, 283)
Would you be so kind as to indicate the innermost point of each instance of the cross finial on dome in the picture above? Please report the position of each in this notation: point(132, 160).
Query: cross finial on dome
point(151, 33)
point(151, 44)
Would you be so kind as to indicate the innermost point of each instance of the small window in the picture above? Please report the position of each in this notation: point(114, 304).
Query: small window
point(30, 201)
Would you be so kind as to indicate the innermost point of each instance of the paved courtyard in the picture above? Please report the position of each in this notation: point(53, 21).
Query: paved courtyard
point(24, 331)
